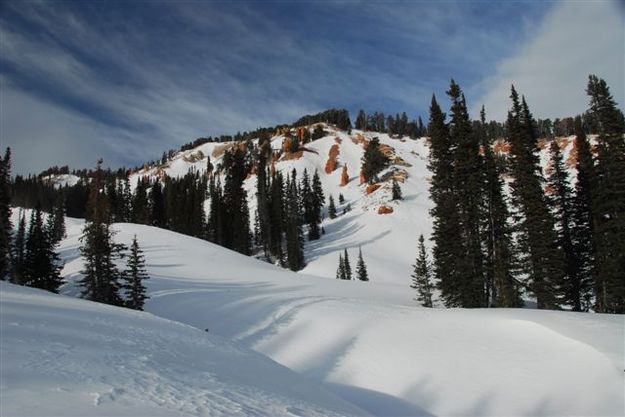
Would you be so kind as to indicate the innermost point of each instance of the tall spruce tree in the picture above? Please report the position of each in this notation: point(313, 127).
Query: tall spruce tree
point(421, 276)
point(340, 271)
point(42, 266)
point(101, 277)
point(561, 201)
point(542, 259)
point(134, 277)
point(18, 256)
point(373, 161)
point(5, 214)
point(501, 286)
point(396, 191)
point(583, 230)
point(237, 234)
point(55, 226)
point(608, 200)
point(467, 174)
point(294, 236)
point(331, 208)
point(447, 250)
point(157, 205)
point(347, 266)
point(361, 268)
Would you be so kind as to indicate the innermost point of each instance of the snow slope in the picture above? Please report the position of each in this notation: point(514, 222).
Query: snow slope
point(370, 344)
point(64, 356)
point(389, 241)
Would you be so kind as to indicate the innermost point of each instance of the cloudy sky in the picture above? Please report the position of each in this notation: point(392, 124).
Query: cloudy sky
point(127, 80)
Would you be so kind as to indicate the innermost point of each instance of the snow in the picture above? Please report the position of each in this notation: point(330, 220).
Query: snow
point(65, 356)
point(370, 344)
point(62, 180)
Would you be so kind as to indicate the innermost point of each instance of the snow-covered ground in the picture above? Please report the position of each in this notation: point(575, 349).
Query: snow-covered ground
point(367, 343)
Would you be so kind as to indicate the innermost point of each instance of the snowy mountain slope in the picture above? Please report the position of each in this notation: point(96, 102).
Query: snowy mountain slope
point(388, 241)
point(370, 344)
point(64, 356)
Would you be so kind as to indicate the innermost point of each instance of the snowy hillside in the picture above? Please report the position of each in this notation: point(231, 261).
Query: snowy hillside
point(104, 360)
point(371, 345)
point(388, 241)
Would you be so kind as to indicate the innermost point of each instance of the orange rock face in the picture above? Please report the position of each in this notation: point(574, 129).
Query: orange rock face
point(371, 188)
point(332, 154)
point(501, 147)
point(385, 210)
point(344, 176)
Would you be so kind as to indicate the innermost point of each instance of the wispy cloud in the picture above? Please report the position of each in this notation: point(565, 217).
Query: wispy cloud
point(575, 39)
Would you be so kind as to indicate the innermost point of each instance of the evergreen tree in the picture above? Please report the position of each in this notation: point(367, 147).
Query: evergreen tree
point(421, 276)
point(396, 191)
point(341, 198)
point(347, 266)
point(5, 213)
point(583, 231)
point(263, 196)
point(237, 234)
point(134, 277)
point(140, 203)
point(608, 200)
point(561, 201)
point(448, 251)
point(294, 239)
point(361, 120)
point(101, 277)
point(340, 271)
point(543, 260)
point(157, 205)
point(42, 267)
point(361, 268)
point(317, 200)
point(56, 221)
point(216, 218)
point(18, 258)
point(332, 208)
point(373, 161)
point(501, 287)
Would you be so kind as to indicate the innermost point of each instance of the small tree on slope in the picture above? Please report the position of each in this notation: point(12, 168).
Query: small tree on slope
point(134, 277)
point(421, 280)
point(361, 268)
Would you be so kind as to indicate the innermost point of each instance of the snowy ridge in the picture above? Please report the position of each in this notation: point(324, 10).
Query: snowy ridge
point(370, 344)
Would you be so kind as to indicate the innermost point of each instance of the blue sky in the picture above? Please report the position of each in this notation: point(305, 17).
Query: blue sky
point(127, 80)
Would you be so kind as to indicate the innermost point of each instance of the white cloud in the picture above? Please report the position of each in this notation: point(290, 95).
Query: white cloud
point(574, 40)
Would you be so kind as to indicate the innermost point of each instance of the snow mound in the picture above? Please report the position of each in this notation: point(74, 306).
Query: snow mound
point(64, 356)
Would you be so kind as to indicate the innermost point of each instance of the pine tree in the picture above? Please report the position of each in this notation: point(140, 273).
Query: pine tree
point(608, 200)
point(294, 238)
point(140, 203)
point(421, 276)
point(42, 267)
point(396, 191)
point(332, 209)
point(18, 256)
point(101, 277)
point(340, 272)
point(347, 266)
point(277, 217)
point(5, 214)
point(361, 268)
point(157, 205)
point(501, 287)
point(361, 120)
point(237, 234)
point(341, 198)
point(543, 261)
point(134, 277)
point(373, 161)
point(447, 250)
point(583, 230)
point(316, 204)
point(56, 221)
point(561, 201)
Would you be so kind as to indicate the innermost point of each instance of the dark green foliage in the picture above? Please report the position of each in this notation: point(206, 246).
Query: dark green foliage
point(373, 161)
point(608, 199)
point(294, 236)
point(501, 287)
point(134, 277)
point(140, 202)
point(561, 201)
point(347, 266)
point(215, 224)
point(583, 231)
point(236, 230)
point(101, 277)
point(157, 205)
point(318, 133)
point(542, 259)
point(338, 117)
point(331, 208)
point(421, 276)
point(184, 204)
point(396, 191)
point(18, 254)
point(56, 221)
point(42, 267)
point(361, 120)
point(341, 198)
point(5, 213)
point(277, 217)
point(340, 271)
point(361, 268)
point(312, 199)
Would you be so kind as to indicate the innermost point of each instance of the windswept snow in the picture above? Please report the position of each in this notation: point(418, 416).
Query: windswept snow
point(63, 356)
point(370, 344)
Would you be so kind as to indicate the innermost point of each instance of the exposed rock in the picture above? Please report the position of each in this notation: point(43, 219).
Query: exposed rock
point(385, 210)
point(362, 177)
point(331, 165)
point(193, 157)
point(372, 187)
point(501, 147)
point(344, 176)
